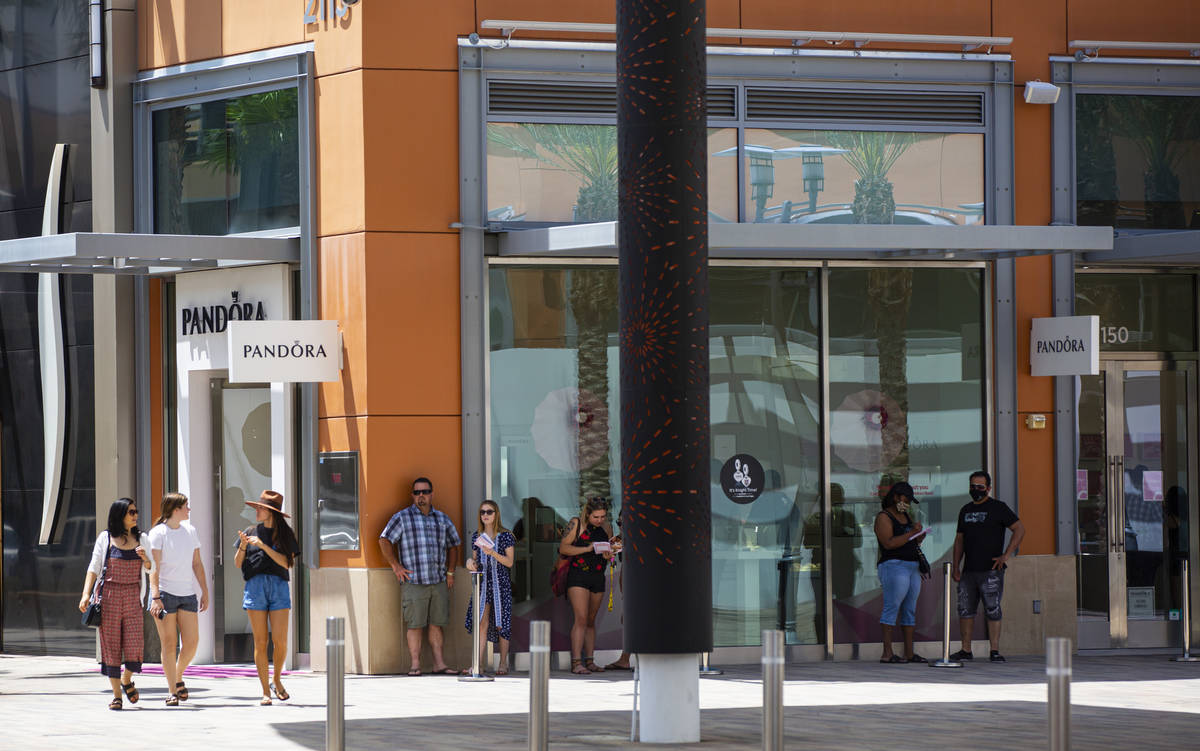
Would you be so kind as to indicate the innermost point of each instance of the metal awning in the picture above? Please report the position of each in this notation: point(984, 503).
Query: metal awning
point(1178, 248)
point(826, 242)
point(113, 253)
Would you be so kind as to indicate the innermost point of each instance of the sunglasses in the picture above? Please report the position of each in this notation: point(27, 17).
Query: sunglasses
point(487, 512)
point(423, 491)
point(131, 512)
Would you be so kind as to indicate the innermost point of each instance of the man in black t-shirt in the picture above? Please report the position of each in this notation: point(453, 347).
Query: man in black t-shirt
point(980, 539)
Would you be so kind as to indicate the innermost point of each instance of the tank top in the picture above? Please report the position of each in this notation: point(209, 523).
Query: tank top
point(590, 561)
point(906, 552)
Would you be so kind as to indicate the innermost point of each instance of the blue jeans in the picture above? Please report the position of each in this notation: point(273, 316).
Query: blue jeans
point(901, 581)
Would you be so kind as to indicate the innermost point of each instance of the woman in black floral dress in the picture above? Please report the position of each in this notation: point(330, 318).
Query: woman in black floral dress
point(585, 578)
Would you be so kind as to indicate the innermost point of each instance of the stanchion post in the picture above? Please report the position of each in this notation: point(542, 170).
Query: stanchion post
point(946, 662)
point(772, 666)
point(705, 668)
point(539, 685)
point(1058, 692)
point(1185, 614)
point(478, 630)
point(335, 684)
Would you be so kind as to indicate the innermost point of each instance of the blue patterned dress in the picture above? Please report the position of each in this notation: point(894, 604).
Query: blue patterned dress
point(497, 588)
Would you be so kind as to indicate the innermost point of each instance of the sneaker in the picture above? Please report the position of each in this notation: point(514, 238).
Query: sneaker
point(996, 656)
point(961, 655)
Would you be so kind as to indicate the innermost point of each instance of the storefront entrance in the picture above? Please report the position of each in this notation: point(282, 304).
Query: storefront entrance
point(1135, 494)
point(241, 470)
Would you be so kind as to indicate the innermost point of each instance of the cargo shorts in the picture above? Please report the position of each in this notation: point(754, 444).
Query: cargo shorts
point(425, 604)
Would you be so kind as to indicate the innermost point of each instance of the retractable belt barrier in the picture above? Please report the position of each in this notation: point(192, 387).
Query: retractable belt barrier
point(946, 662)
point(478, 629)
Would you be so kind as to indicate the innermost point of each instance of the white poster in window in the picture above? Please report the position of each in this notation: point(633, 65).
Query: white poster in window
point(1141, 603)
point(1081, 485)
point(1152, 485)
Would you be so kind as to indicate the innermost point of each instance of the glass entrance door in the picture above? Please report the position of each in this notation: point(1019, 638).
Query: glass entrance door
point(241, 470)
point(1134, 496)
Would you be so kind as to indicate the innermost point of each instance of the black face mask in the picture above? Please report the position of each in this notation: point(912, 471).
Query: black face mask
point(978, 495)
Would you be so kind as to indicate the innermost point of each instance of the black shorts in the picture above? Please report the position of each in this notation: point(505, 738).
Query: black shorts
point(592, 581)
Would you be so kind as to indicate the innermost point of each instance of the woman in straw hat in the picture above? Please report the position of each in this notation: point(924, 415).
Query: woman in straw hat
point(265, 553)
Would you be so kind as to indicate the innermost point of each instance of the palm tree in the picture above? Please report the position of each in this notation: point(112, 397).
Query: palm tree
point(889, 291)
point(587, 151)
point(1161, 127)
point(872, 154)
point(593, 296)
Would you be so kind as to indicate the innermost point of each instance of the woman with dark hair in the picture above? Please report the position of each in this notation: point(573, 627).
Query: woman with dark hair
point(119, 557)
point(494, 560)
point(265, 553)
point(899, 569)
point(175, 545)
point(586, 542)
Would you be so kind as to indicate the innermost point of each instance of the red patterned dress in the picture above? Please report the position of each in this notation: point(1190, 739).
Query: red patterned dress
point(121, 613)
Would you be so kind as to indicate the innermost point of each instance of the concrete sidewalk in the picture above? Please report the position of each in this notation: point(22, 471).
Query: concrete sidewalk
point(1119, 702)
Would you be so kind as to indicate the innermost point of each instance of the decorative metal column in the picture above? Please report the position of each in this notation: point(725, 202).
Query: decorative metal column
point(663, 245)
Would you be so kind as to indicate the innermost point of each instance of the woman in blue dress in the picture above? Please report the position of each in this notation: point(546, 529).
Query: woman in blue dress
point(494, 561)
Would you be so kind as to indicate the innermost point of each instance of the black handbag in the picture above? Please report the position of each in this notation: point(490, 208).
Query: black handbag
point(923, 563)
point(91, 616)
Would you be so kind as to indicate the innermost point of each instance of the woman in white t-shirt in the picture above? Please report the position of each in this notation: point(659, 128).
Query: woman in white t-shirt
point(175, 547)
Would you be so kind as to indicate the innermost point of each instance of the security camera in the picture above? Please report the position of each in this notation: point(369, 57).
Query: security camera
point(473, 38)
point(1040, 92)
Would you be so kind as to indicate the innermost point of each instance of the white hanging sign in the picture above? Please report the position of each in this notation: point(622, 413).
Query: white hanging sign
point(1065, 345)
point(284, 351)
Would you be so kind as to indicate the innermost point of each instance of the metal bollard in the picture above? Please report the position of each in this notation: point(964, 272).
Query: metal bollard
point(1058, 692)
point(478, 628)
point(706, 669)
point(539, 685)
point(335, 684)
point(1185, 615)
point(772, 665)
point(946, 662)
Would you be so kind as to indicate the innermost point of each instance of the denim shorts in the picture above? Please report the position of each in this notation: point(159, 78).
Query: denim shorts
point(172, 603)
point(266, 592)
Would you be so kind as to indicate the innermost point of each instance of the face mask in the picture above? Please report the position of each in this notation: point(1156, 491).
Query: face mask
point(978, 495)
point(902, 506)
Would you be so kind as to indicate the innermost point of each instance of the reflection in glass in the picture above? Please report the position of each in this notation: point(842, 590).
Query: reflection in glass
point(227, 166)
point(864, 177)
point(765, 402)
point(547, 172)
point(1137, 161)
point(906, 402)
point(1140, 312)
point(1091, 500)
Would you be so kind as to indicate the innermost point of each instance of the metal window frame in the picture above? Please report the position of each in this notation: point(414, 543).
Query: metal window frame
point(990, 74)
point(1094, 75)
point(222, 78)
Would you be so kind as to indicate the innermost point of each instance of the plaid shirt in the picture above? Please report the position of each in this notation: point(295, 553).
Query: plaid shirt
point(422, 540)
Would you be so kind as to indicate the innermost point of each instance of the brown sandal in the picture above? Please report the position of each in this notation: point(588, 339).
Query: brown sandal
point(578, 668)
point(131, 692)
point(172, 701)
point(115, 703)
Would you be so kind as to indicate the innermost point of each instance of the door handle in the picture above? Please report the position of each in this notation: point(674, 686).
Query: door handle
point(1113, 511)
point(1119, 496)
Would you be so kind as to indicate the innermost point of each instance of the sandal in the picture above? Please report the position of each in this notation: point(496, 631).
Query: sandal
point(593, 667)
point(265, 702)
point(893, 660)
point(280, 693)
point(917, 658)
point(172, 701)
point(181, 691)
point(131, 692)
point(578, 668)
point(501, 670)
point(115, 703)
point(618, 666)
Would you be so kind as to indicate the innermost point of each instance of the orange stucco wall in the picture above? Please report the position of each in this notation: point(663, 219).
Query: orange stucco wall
point(388, 189)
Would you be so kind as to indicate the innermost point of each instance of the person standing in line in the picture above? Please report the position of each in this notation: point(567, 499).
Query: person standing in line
point(495, 602)
point(427, 544)
point(899, 570)
point(585, 579)
point(265, 553)
point(125, 548)
point(175, 546)
point(979, 548)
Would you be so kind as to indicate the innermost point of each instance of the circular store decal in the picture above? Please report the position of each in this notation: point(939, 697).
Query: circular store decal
point(742, 479)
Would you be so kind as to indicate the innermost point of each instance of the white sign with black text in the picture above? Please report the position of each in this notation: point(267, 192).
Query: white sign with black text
point(1065, 345)
point(284, 351)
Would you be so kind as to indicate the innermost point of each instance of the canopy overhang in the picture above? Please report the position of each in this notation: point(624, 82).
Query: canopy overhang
point(155, 255)
point(1179, 248)
point(825, 242)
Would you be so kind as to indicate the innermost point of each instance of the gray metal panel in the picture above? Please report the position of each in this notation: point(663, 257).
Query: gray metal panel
point(1065, 461)
point(1180, 247)
point(476, 444)
point(1005, 325)
point(840, 240)
point(197, 79)
point(999, 161)
point(309, 297)
point(90, 252)
point(144, 414)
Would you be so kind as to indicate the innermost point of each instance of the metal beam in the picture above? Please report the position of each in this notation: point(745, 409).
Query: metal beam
point(93, 253)
point(1158, 247)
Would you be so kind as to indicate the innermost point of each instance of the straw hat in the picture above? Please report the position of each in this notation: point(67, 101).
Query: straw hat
point(271, 501)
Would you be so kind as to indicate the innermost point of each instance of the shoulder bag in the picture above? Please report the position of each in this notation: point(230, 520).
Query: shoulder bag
point(91, 616)
point(558, 574)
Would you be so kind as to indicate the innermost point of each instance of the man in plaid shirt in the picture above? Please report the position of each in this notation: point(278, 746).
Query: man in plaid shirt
point(428, 547)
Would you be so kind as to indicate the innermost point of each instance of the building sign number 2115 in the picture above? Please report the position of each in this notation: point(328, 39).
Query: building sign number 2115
point(323, 10)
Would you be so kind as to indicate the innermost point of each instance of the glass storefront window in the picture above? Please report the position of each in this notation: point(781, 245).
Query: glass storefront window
point(906, 381)
point(227, 166)
point(1140, 312)
point(906, 402)
point(864, 177)
point(1137, 161)
point(546, 172)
